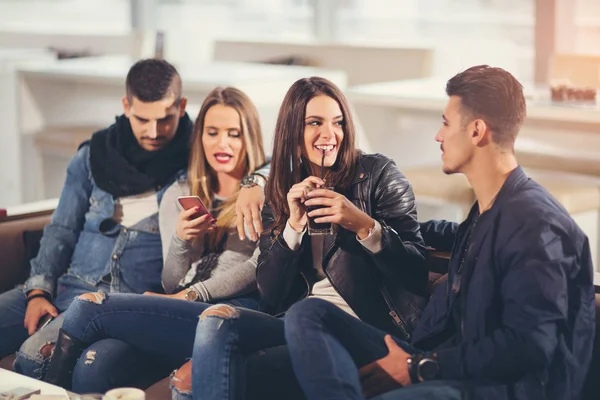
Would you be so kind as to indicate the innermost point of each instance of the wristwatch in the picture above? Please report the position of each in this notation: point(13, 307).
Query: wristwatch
point(192, 294)
point(423, 367)
point(252, 180)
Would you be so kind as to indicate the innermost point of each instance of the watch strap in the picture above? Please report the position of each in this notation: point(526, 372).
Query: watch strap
point(259, 179)
point(413, 367)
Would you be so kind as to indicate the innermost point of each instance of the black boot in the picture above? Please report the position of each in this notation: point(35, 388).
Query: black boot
point(63, 360)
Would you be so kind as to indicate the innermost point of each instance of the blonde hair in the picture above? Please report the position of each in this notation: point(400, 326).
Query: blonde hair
point(202, 178)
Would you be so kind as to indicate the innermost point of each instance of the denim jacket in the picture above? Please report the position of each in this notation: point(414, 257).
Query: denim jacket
point(82, 241)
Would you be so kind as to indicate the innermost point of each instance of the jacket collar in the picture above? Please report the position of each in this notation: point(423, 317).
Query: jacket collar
point(515, 179)
point(361, 173)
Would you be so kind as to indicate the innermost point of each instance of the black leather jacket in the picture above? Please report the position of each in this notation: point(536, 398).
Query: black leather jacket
point(387, 289)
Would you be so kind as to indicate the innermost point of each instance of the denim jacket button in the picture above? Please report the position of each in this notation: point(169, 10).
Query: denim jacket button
point(115, 256)
point(124, 230)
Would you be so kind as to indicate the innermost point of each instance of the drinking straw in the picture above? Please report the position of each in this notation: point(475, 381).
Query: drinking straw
point(322, 164)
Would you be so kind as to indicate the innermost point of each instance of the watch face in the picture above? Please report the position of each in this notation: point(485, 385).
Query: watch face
point(248, 181)
point(191, 295)
point(428, 369)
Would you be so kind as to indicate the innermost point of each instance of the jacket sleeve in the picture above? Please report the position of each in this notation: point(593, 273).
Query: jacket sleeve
point(61, 235)
point(278, 266)
point(439, 234)
point(534, 268)
point(403, 254)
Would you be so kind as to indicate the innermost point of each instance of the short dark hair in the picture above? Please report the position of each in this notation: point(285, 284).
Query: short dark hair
point(152, 80)
point(493, 95)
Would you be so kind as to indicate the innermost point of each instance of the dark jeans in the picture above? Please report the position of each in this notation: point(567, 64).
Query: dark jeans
point(328, 346)
point(134, 339)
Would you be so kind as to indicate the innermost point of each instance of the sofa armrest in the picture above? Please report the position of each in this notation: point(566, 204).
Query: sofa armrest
point(14, 269)
point(437, 261)
point(437, 265)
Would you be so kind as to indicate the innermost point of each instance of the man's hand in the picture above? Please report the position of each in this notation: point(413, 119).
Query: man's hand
point(248, 206)
point(178, 295)
point(387, 373)
point(36, 309)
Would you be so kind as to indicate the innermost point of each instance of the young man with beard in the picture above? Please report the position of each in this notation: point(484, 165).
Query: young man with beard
point(515, 319)
point(104, 234)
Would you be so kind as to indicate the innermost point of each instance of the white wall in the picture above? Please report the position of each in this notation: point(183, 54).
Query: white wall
point(65, 16)
point(588, 26)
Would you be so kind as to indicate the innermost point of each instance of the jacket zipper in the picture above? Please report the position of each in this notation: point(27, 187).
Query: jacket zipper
point(308, 288)
point(392, 313)
point(335, 288)
point(395, 317)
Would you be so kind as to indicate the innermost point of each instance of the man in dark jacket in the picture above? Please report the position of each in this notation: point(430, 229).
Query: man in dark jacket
point(515, 319)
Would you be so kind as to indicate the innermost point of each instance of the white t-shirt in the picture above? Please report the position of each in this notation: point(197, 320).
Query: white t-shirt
point(323, 289)
point(132, 209)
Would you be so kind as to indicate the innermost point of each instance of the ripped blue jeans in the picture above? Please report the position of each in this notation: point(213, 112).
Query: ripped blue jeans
point(33, 351)
point(134, 340)
point(226, 340)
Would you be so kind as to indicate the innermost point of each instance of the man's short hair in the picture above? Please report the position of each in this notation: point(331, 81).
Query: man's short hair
point(493, 95)
point(152, 80)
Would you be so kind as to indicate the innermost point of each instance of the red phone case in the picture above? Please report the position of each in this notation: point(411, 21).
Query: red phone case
point(188, 202)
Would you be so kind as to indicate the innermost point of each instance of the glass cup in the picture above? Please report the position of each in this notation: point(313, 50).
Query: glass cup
point(315, 228)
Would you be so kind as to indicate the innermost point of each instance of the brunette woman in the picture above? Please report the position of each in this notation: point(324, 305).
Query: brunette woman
point(372, 265)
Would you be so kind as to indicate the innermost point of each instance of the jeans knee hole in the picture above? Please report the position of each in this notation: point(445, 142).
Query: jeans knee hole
point(181, 379)
point(90, 357)
point(223, 311)
point(47, 349)
point(93, 297)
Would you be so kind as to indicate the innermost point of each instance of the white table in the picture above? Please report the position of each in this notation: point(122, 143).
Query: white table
point(88, 92)
point(10, 380)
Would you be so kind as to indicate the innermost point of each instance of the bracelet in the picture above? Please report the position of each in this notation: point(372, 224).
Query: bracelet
point(38, 295)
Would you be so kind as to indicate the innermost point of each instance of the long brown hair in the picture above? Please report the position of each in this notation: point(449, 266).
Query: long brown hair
point(287, 165)
point(202, 178)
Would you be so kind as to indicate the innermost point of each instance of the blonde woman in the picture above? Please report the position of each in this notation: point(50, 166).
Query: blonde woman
point(206, 262)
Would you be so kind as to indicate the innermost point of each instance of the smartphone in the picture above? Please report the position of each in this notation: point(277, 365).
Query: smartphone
point(187, 202)
point(44, 321)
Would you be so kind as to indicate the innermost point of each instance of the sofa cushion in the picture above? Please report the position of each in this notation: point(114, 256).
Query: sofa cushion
point(7, 362)
point(12, 249)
